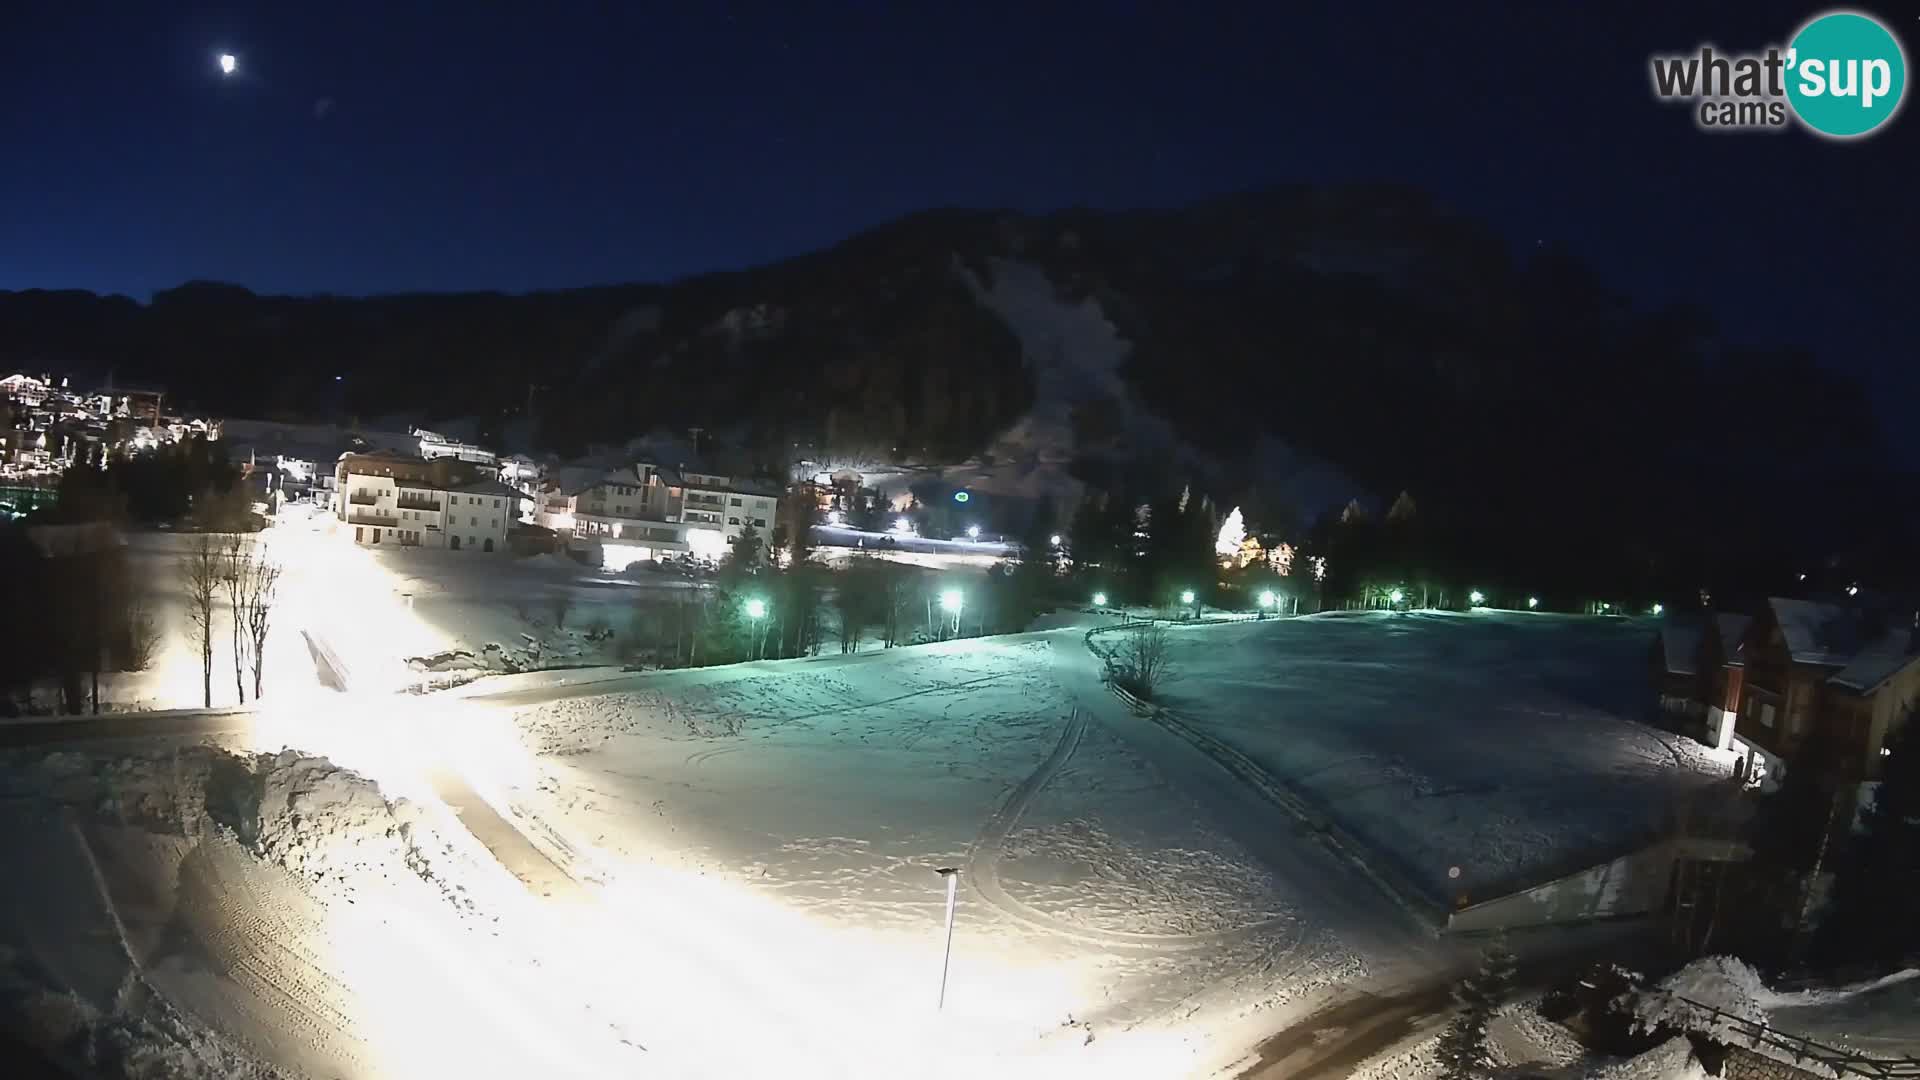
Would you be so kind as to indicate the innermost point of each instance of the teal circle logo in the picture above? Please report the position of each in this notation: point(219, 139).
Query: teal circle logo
point(1846, 74)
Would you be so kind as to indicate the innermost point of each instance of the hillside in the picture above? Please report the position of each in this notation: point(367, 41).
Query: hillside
point(1365, 327)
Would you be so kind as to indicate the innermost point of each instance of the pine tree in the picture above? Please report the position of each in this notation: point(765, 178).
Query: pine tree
point(1463, 1049)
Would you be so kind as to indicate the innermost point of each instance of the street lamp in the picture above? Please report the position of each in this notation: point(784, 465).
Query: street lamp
point(1054, 539)
point(973, 532)
point(952, 601)
point(1532, 602)
point(756, 610)
point(1099, 599)
point(1186, 596)
point(1267, 600)
point(1396, 596)
point(1659, 609)
point(1476, 598)
point(952, 876)
point(227, 63)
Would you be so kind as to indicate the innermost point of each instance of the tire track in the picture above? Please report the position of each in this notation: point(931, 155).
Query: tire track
point(983, 870)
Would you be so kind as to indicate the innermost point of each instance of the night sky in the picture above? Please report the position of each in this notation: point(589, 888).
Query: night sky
point(406, 146)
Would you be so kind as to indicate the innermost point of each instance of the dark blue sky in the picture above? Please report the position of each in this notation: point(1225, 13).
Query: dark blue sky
point(370, 148)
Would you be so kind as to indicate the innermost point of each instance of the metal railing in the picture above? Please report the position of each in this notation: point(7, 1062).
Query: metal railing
point(405, 502)
point(363, 498)
point(372, 519)
point(1842, 1062)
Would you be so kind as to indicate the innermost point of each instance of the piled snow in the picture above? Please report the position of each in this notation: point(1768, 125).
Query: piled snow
point(1875, 1017)
point(1503, 744)
point(1721, 982)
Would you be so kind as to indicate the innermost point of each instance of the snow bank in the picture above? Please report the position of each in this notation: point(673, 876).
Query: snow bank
point(1722, 982)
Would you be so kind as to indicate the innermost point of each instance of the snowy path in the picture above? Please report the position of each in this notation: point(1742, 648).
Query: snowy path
point(983, 866)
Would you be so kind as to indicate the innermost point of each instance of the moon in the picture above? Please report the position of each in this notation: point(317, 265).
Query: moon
point(228, 62)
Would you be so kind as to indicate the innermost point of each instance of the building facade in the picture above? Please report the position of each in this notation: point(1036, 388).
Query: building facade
point(390, 498)
point(644, 511)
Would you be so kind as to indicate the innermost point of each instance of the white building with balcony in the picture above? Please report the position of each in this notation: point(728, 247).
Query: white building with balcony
point(394, 499)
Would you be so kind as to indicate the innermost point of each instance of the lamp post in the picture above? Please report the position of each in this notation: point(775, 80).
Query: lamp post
point(952, 601)
point(756, 610)
point(952, 875)
point(1099, 599)
point(1187, 599)
point(1267, 600)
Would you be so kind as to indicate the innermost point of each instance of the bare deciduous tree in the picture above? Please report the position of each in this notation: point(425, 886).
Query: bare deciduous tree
point(560, 602)
point(201, 572)
point(252, 582)
point(1143, 659)
point(258, 595)
point(235, 568)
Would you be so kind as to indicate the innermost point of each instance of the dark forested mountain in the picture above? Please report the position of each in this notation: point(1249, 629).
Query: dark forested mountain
point(1364, 326)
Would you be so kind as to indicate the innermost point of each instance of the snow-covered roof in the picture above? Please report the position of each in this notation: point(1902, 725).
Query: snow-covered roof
point(1681, 642)
point(1887, 656)
point(488, 487)
point(1815, 633)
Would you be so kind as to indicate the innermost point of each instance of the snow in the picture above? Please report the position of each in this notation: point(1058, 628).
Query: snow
point(1501, 743)
point(728, 871)
point(1526, 1044)
point(384, 618)
point(1721, 982)
point(1098, 899)
point(1874, 1017)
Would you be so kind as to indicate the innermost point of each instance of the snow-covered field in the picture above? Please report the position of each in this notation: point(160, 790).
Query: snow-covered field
point(1505, 744)
point(715, 872)
point(357, 616)
point(732, 871)
point(1101, 905)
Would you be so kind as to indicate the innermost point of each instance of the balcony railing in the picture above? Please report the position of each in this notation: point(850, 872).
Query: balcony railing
point(415, 502)
point(362, 498)
point(372, 519)
point(713, 501)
